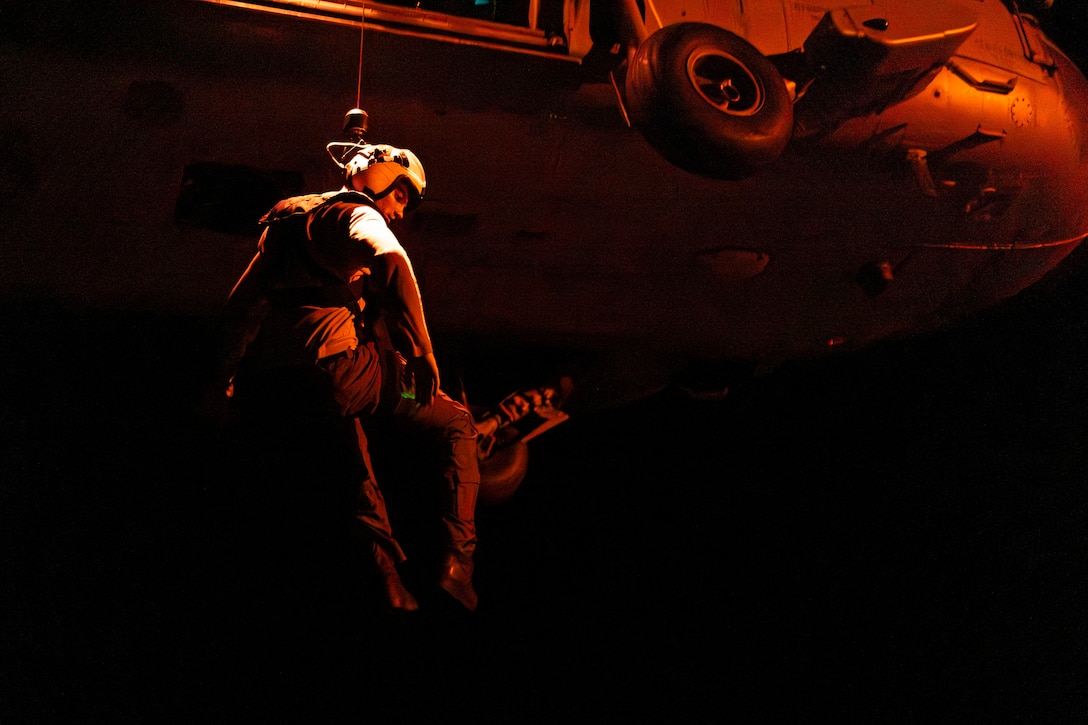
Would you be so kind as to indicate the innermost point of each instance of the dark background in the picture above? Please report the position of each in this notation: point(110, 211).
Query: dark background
point(897, 535)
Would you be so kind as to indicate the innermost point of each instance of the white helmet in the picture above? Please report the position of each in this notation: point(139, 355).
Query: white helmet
point(374, 169)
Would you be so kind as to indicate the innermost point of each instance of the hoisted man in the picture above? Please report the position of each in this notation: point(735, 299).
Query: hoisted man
point(331, 304)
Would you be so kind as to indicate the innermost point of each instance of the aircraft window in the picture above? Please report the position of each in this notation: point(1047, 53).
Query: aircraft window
point(231, 198)
point(511, 12)
point(549, 15)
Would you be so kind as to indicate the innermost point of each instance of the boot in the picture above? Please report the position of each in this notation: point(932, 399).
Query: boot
point(396, 595)
point(457, 563)
point(456, 578)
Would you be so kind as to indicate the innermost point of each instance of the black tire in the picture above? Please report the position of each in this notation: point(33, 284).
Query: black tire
point(709, 101)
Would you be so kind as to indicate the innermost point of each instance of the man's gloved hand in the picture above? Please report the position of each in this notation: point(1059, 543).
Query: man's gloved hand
point(423, 372)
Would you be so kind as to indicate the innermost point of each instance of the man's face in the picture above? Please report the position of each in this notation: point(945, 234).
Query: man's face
point(392, 205)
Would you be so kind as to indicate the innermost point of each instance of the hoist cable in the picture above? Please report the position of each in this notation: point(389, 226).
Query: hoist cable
point(359, 88)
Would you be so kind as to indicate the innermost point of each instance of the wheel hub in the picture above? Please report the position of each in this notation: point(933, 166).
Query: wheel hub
point(724, 82)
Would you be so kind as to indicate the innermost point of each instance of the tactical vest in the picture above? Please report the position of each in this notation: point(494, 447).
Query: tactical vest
point(312, 313)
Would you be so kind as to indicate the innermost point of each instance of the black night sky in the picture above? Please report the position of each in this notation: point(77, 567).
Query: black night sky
point(896, 535)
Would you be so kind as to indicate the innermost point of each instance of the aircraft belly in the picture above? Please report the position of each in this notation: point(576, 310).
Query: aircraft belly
point(804, 307)
point(546, 219)
point(989, 166)
point(769, 269)
point(642, 268)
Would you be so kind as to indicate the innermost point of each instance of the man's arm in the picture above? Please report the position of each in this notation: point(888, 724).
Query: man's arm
point(403, 303)
point(407, 324)
point(402, 306)
point(247, 307)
